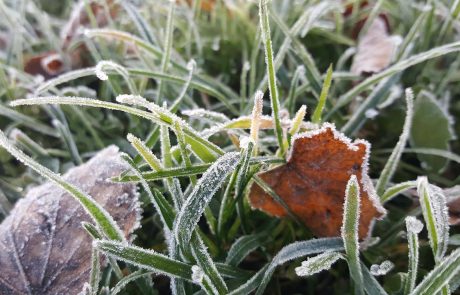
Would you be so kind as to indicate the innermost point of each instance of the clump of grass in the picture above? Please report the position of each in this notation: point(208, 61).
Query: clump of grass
point(172, 84)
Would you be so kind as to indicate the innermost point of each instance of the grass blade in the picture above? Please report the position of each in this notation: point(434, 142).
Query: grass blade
point(298, 250)
point(100, 216)
point(414, 227)
point(350, 232)
point(145, 259)
point(316, 264)
point(393, 160)
point(316, 117)
point(440, 275)
point(435, 213)
point(275, 104)
point(397, 189)
point(196, 202)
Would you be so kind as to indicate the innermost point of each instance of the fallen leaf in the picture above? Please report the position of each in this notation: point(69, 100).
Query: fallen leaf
point(50, 64)
point(47, 64)
point(375, 49)
point(312, 183)
point(206, 5)
point(43, 247)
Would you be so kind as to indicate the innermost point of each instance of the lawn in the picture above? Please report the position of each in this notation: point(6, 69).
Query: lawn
point(229, 147)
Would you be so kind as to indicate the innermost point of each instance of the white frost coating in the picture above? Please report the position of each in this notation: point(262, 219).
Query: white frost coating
point(434, 197)
point(413, 225)
point(371, 113)
point(298, 119)
point(246, 66)
point(202, 193)
point(256, 115)
point(105, 65)
point(191, 65)
point(205, 114)
point(244, 142)
point(382, 269)
point(365, 180)
point(197, 274)
point(132, 99)
point(353, 182)
point(317, 263)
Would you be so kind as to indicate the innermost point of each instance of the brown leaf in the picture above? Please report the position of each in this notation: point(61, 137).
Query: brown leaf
point(312, 183)
point(43, 247)
point(47, 64)
point(375, 49)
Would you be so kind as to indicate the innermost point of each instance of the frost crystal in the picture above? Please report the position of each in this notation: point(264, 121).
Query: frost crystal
point(197, 274)
point(244, 142)
point(382, 269)
point(317, 264)
point(413, 225)
point(371, 113)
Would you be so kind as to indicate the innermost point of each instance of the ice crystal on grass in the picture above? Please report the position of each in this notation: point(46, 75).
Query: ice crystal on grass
point(413, 225)
point(197, 274)
point(317, 263)
point(382, 269)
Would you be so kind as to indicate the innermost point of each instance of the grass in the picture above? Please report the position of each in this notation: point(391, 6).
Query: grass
point(183, 90)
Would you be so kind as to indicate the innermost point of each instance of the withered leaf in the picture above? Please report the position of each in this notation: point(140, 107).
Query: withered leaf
point(43, 247)
point(312, 183)
point(375, 49)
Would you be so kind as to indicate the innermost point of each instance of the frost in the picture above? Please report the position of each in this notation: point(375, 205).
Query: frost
point(197, 274)
point(366, 181)
point(202, 193)
point(209, 116)
point(371, 113)
point(382, 269)
point(413, 225)
point(256, 115)
point(216, 44)
point(132, 99)
point(191, 65)
point(318, 263)
point(436, 215)
point(244, 142)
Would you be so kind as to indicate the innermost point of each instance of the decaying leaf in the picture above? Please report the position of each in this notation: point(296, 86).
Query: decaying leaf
point(206, 5)
point(375, 49)
point(312, 183)
point(43, 247)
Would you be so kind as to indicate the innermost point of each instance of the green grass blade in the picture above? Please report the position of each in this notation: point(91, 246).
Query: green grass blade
point(196, 202)
point(440, 276)
point(397, 189)
point(316, 117)
point(145, 259)
point(275, 104)
point(242, 247)
point(414, 227)
point(435, 213)
point(393, 160)
point(251, 284)
point(298, 250)
point(350, 232)
point(100, 216)
point(121, 284)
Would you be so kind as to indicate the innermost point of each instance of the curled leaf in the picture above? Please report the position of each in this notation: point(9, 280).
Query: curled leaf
point(43, 247)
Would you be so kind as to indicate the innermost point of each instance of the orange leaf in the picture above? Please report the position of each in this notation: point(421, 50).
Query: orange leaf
point(312, 183)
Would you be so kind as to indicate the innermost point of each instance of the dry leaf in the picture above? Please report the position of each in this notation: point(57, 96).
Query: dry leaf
point(206, 5)
point(375, 49)
point(312, 183)
point(43, 248)
point(50, 64)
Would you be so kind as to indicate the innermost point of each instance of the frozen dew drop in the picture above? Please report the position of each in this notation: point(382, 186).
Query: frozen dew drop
point(197, 274)
point(413, 225)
